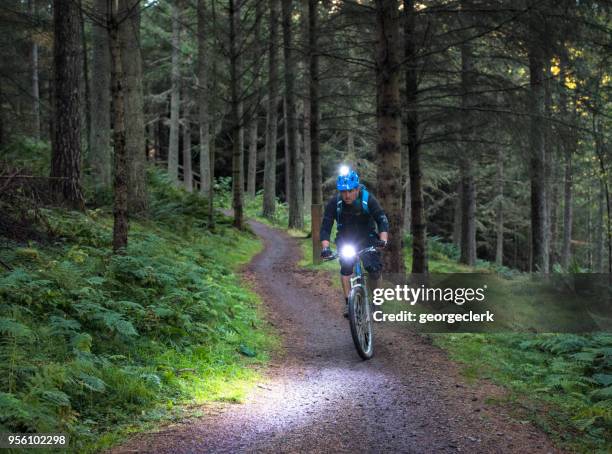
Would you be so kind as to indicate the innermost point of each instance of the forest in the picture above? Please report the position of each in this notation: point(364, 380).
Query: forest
point(483, 127)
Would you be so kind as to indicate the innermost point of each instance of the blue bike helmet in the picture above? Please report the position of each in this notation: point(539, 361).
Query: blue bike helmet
point(347, 180)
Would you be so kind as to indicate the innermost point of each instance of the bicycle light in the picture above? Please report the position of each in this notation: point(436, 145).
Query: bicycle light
point(348, 252)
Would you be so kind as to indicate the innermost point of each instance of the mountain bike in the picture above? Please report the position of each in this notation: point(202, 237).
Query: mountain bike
point(359, 304)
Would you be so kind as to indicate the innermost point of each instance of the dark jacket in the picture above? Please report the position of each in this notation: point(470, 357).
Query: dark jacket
point(356, 225)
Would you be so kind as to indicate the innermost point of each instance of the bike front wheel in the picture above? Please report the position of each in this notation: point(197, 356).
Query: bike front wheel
point(360, 318)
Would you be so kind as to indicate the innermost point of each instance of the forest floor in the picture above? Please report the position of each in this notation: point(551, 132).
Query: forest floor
point(319, 396)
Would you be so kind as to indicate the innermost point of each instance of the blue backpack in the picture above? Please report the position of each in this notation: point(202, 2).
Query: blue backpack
point(364, 195)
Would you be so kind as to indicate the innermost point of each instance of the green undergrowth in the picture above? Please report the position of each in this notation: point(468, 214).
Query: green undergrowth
point(98, 345)
point(562, 382)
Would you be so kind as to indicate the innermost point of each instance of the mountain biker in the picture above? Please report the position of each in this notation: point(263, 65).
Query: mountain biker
point(357, 214)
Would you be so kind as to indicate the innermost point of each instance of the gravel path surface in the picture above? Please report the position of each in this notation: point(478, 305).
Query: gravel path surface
point(321, 397)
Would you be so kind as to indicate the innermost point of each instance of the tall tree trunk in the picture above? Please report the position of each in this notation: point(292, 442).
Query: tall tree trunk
point(86, 112)
point(350, 145)
point(254, 117)
point(554, 213)
point(100, 151)
point(286, 150)
point(499, 249)
point(35, 80)
point(313, 73)
point(2, 137)
point(299, 142)
point(567, 210)
point(203, 101)
point(405, 174)
point(252, 163)
point(269, 202)
point(417, 207)
point(548, 158)
point(65, 182)
point(599, 229)
point(388, 153)
point(569, 144)
point(187, 170)
point(316, 210)
point(213, 124)
point(468, 184)
point(307, 157)
point(129, 35)
point(175, 100)
point(241, 128)
point(296, 213)
point(457, 216)
point(537, 172)
point(236, 115)
point(589, 224)
point(120, 186)
point(51, 100)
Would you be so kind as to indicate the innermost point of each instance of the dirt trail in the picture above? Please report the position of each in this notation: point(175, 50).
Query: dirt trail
point(321, 397)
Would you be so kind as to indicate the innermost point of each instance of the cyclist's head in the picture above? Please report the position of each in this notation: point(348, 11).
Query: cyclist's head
point(348, 184)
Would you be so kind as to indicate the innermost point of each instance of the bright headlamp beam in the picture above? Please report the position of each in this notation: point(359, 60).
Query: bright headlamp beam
point(348, 252)
point(344, 171)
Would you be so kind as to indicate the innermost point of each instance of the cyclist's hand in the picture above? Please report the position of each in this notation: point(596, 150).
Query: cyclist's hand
point(326, 253)
point(381, 244)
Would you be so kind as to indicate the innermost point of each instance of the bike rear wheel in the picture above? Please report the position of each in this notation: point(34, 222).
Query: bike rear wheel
point(360, 319)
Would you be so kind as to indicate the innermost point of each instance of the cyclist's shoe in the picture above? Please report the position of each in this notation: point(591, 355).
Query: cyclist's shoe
point(345, 311)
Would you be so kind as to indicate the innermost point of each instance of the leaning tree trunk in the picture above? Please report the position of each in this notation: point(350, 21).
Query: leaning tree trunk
point(65, 184)
point(236, 114)
point(536, 145)
point(296, 213)
point(388, 153)
point(129, 34)
point(203, 102)
point(269, 202)
point(100, 152)
point(175, 100)
point(120, 186)
point(418, 225)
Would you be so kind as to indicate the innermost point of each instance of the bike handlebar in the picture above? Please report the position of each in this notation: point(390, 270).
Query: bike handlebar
point(335, 255)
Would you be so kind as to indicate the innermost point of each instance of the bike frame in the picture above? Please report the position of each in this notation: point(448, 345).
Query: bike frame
point(358, 286)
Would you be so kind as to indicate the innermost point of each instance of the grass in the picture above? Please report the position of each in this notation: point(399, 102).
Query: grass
point(99, 346)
